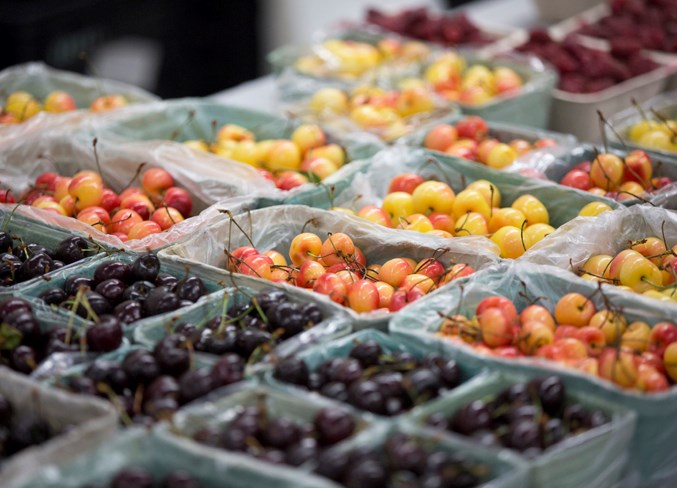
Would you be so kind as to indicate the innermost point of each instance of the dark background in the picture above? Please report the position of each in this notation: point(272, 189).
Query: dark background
point(209, 45)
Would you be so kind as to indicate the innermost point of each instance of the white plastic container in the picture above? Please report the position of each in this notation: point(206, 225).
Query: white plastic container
point(553, 10)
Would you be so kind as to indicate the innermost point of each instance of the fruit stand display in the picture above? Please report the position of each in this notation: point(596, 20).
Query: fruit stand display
point(403, 280)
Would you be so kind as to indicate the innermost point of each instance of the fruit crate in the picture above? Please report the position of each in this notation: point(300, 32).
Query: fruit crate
point(332, 325)
point(212, 283)
point(576, 113)
point(652, 459)
point(246, 469)
point(159, 128)
point(574, 245)
point(120, 167)
point(89, 423)
point(275, 227)
point(471, 375)
point(33, 231)
point(367, 183)
point(39, 80)
point(593, 458)
point(622, 122)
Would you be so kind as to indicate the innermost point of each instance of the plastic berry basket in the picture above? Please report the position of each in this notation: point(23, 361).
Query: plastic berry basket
point(211, 282)
point(219, 413)
point(652, 459)
point(334, 323)
point(32, 231)
point(340, 348)
point(596, 457)
point(275, 227)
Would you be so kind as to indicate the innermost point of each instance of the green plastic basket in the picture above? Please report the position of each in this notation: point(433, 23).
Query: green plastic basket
point(652, 459)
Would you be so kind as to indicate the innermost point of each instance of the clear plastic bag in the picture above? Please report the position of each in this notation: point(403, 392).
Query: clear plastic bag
point(652, 459)
point(275, 227)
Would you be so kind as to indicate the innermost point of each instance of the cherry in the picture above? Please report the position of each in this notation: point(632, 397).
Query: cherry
point(292, 370)
point(366, 394)
point(13, 304)
point(6, 242)
point(312, 313)
point(82, 385)
point(140, 367)
point(128, 311)
point(111, 289)
point(302, 452)
point(138, 291)
point(171, 355)
point(163, 386)
point(195, 384)
point(347, 371)
point(366, 473)
point(270, 297)
point(166, 280)
point(367, 353)
point(190, 288)
point(36, 265)
point(333, 425)
point(53, 296)
point(105, 335)
point(132, 478)
point(551, 393)
point(24, 322)
point(23, 359)
point(248, 340)
point(146, 267)
point(160, 300)
point(112, 269)
point(523, 435)
point(281, 433)
point(74, 283)
point(472, 417)
point(97, 303)
point(337, 391)
point(71, 249)
point(103, 371)
point(333, 464)
point(228, 369)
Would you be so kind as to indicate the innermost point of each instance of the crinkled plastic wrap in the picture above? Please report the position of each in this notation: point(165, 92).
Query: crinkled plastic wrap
point(211, 280)
point(89, 421)
point(665, 105)
point(594, 458)
point(653, 460)
point(555, 166)
point(39, 80)
point(275, 227)
point(334, 322)
point(34, 231)
point(218, 413)
point(472, 375)
point(366, 183)
point(159, 128)
point(138, 447)
point(206, 183)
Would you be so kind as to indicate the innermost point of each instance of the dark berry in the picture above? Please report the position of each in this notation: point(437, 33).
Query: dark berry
point(146, 267)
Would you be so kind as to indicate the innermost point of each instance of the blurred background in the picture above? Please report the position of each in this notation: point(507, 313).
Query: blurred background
point(174, 48)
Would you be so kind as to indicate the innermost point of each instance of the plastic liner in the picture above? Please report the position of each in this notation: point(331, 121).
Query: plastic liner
point(554, 167)
point(652, 461)
point(146, 449)
point(571, 246)
point(39, 80)
point(33, 231)
point(334, 323)
point(471, 374)
point(665, 105)
point(89, 421)
point(275, 227)
point(249, 471)
point(594, 458)
point(366, 183)
point(119, 165)
point(158, 128)
point(211, 280)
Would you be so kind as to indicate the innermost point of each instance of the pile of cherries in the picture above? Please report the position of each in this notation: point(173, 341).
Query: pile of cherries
point(21, 261)
point(148, 386)
point(279, 440)
point(403, 461)
point(25, 344)
point(20, 431)
point(133, 477)
point(369, 379)
point(267, 319)
point(528, 417)
point(125, 292)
